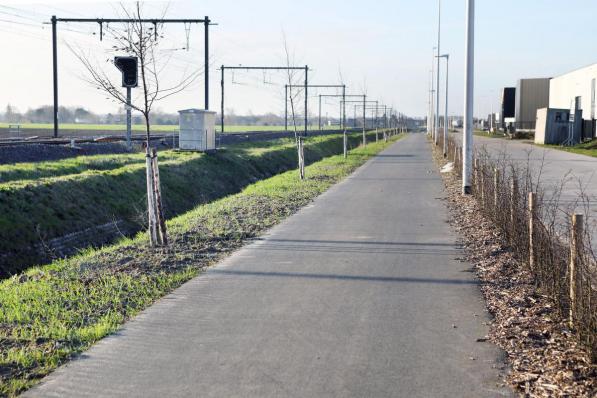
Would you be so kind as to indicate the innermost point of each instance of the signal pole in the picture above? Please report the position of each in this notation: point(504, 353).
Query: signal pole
point(129, 133)
point(467, 146)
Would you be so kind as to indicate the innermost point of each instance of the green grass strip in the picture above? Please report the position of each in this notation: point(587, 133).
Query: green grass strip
point(47, 200)
point(587, 148)
point(51, 313)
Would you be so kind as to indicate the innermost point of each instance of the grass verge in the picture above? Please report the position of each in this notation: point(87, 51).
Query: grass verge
point(587, 148)
point(47, 200)
point(51, 313)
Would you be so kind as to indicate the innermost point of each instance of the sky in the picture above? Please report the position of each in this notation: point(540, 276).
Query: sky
point(382, 48)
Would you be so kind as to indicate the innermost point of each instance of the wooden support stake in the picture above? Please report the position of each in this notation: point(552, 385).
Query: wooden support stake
point(496, 188)
point(476, 174)
point(575, 250)
point(301, 157)
point(153, 239)
point(163, 233)
point(345, 138)
point(532, 218)
point(482, 184)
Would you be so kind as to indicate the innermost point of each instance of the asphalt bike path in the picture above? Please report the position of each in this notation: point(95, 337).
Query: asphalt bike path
point(360, 294)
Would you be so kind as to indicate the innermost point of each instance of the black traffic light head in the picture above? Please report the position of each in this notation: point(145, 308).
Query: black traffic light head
point(128, 67)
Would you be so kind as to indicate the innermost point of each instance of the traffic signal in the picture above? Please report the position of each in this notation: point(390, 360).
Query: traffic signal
point(128, 67)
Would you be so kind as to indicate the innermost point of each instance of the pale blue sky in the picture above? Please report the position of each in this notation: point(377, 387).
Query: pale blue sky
point(384, 46)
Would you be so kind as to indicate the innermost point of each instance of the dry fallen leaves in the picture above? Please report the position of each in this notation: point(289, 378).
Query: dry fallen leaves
point(544, 356)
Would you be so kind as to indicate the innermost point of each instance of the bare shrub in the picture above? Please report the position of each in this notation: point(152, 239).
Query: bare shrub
point(540, 235)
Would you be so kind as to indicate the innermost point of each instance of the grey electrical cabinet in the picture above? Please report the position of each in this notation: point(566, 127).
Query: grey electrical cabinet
point(197, 130)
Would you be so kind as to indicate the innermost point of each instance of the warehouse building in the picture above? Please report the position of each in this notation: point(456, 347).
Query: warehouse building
point(531, 95)
point(576, 90)
point(508, 107)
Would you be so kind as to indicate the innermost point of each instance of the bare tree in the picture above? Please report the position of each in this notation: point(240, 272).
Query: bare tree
point(297, 137)
point(141, 40)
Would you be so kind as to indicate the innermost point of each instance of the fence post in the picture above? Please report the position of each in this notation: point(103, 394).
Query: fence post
point(575, 250)
point(496, 189)
point(532, 217)
point(476, 175)
point(482, 184)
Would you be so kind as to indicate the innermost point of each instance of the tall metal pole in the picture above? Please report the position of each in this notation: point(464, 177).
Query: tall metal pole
point(319, 112)
point(206, 66)
point(446, 125)
point(433, 94)
point(445, 133)
point(55, 74)
point(376, 120)
point(344, 107)
point(439, 32)
point(128, 119)
point(467, 147)
point(429, 127)
point(286, 107)
point(306, 98)
point(222, 102)
point(364, 119)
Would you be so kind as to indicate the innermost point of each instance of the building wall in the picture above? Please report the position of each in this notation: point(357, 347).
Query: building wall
point(531, 95)
point(579, 83)
point(509, 102)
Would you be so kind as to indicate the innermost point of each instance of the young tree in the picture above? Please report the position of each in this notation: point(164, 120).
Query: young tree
point(297, 137)
point(141, 40)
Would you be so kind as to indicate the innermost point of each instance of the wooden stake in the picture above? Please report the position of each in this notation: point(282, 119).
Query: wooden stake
point(345, 139)
point(513, 201)
point(163, 234)
point(482, 184)
point(532, 218)
point(575, 250)
point(476, 174)
point(496, 188)
point(301, 157)
point(153, 239)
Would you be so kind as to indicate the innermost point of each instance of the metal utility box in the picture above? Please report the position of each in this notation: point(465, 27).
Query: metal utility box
point(197, 131)
point(553, 126)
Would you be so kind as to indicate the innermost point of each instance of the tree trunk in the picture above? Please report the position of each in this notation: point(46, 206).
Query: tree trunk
point(301, 158)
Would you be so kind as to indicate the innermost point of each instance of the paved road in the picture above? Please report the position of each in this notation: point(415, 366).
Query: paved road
point(556, 166)
point(358, 295)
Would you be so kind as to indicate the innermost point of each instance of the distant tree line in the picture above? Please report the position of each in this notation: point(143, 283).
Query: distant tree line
point(44, 114)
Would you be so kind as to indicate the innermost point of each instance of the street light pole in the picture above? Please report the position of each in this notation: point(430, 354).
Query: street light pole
point(445, 149)
point(467, 147)
point(439, 32)
point(432, 93)
point(429, 104)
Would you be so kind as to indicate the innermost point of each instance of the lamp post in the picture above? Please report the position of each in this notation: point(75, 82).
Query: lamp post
point(437, 92)
point(447, 57)
point(432, 94)
point(467, 142)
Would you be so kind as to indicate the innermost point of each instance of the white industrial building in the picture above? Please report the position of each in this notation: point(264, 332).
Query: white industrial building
point(576, 90)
